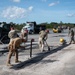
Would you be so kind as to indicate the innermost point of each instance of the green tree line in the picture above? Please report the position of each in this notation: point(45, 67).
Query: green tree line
point(48, 25)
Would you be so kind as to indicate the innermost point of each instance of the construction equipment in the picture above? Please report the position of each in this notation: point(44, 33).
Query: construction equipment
point(55, 30)
point(4, 29)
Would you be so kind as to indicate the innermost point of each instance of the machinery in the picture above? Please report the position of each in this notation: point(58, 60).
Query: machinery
point(4, 29)
point(57, 29)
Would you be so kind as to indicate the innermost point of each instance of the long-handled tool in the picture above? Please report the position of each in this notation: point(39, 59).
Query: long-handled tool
point(47, 45)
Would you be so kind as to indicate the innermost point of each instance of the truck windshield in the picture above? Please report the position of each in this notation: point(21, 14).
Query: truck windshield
point(29, 24)
point(1, 25)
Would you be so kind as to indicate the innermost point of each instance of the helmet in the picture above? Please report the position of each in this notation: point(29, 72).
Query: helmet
point(61, 40)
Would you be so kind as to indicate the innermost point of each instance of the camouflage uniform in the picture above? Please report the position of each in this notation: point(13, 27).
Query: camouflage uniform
point(12, 34)
point(24, 34)
point(13, 46)
point(43, 36)
point(71, 33)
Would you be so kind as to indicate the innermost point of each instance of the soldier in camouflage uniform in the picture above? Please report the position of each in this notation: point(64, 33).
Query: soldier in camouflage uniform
point(71, 34)
point(43, 36)
point(24, 34)
point(12, 34)
point(13, 48)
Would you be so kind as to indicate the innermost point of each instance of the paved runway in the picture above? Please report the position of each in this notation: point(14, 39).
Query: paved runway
point(42, 63)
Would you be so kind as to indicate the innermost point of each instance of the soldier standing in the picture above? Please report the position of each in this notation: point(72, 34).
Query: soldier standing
point(43, 37)
point(12, 33)
point(24, 33)
point(69, 30)
point(71, 34)
point(13, 48)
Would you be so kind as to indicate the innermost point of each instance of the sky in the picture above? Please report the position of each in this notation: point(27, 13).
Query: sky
point(41, 11)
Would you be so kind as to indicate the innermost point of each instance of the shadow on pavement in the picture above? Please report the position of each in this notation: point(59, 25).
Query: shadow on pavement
point(5, 49)
point(38, 58)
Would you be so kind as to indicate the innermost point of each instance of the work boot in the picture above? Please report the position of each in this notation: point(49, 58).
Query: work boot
point(8, 63)
point(43, 50)
point(17, 61)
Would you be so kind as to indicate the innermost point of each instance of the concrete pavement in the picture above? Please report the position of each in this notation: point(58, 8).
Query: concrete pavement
point(56, 62)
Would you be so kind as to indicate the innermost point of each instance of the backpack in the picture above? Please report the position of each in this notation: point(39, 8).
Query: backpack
point(12, 34)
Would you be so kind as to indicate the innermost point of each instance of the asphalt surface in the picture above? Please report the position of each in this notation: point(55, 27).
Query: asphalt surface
point(58, 61)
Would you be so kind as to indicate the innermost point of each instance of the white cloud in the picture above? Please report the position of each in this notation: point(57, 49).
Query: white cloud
point(16, 0)
point(30, 8)
point(15, 12)
point(44, 0)
point(70, 15)
point(54, 3)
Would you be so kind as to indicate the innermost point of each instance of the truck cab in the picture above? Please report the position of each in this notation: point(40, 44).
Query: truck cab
point(32, 27)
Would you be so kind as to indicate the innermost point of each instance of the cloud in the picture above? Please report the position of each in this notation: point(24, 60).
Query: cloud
point(44, 0)
point(30, 8)
point(16, 12)
point(70, 15)
point(54, 3)
point(16, 0)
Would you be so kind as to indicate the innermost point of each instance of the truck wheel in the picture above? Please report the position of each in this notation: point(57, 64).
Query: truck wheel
point(31, 32)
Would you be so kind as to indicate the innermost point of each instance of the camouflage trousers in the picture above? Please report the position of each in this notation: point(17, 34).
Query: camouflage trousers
point(72, 39)
point(41, 44)
point(10, 55)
